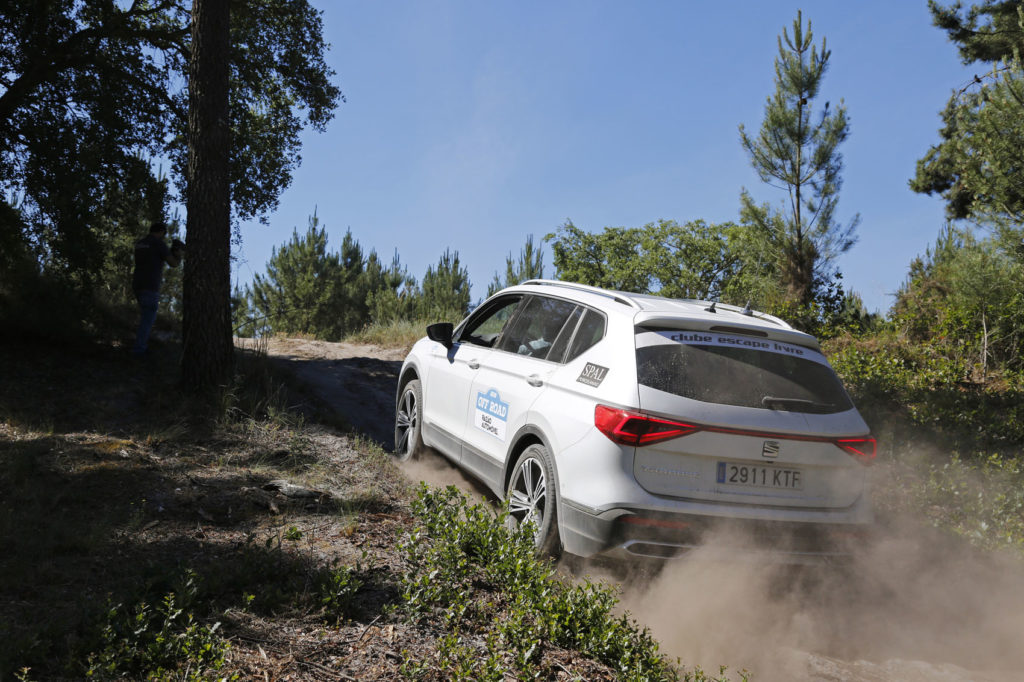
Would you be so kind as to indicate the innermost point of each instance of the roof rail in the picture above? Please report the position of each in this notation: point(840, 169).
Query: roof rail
point(617, 296)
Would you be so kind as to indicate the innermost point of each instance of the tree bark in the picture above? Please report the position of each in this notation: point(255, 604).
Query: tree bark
point(206, 316)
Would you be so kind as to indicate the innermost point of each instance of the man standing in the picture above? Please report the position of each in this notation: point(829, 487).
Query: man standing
point(151, 252)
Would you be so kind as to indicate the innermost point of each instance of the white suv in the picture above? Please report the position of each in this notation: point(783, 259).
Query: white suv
point(636, 424)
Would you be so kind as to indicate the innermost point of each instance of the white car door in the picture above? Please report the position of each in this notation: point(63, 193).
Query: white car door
point(447, 391)
point(511, 379)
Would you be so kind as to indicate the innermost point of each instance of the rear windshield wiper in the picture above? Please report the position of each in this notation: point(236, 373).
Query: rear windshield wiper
point(769, 400)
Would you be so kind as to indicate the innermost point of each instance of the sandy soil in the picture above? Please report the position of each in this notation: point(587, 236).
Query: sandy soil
point(911, 610)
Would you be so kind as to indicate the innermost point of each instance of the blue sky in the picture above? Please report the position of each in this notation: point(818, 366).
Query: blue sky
point(471, 125)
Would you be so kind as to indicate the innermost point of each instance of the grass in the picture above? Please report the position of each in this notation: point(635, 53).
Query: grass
point(392, 334)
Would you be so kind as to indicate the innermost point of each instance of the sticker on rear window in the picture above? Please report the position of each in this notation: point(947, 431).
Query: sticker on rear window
point(592, 375)
point(697, 338)
point(491, 413)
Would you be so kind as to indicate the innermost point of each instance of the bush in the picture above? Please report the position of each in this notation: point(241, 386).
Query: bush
point(526, 613)
point(162, 643)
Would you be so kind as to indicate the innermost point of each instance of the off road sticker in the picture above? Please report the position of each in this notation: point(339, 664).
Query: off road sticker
point(592, 375)
point(491, 414)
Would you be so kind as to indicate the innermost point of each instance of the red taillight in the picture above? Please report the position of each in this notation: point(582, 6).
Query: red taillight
point(634, 428)
point(864, 449)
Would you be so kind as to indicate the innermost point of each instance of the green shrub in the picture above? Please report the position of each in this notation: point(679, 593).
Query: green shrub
point(337, 588)
point(161, 643)
point(463, 549)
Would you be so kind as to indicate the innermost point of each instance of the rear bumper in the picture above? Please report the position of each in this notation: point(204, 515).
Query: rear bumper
point(643, 534)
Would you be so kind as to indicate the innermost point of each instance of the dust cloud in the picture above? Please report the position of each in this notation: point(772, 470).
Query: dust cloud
point(912, 604)
point(436, 471)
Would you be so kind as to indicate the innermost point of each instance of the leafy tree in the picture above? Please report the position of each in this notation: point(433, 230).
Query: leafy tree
point(964, 297)
point(607, 259)
point(529, 266)
point(694, 260)
point(978, 165)
point(90, 88)
point(445, 290)
point(799, 151)
point(100, 82)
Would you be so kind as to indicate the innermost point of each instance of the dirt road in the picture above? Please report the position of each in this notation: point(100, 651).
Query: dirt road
point(914, 607)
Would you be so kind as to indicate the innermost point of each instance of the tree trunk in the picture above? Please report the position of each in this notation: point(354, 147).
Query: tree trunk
point(208, 351)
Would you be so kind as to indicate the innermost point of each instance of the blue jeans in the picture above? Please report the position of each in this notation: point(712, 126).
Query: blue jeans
point(149, 301)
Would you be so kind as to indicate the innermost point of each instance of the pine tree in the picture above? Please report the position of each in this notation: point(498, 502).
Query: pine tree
point(977, 166)
point(445, 290)
point(529, 266)
point(799, 151)
point(397, 296)
point(300, 291)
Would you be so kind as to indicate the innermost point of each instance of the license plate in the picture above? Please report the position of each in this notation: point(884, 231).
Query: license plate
point(755, 476)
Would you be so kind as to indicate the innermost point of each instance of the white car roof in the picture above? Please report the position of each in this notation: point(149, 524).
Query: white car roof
point(648, 309)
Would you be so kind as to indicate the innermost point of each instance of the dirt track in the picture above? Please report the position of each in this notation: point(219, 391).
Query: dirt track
point(913, 601)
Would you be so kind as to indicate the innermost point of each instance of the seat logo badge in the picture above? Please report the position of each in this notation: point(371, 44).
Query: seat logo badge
point(770, 448)
point(592, 375)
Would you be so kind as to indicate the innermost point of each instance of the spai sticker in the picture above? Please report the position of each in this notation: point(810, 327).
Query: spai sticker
point(592, 375)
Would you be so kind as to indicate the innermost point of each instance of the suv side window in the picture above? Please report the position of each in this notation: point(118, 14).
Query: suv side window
point(558, 348)
point(484, 328)
point(591, 330)
point(537, 326)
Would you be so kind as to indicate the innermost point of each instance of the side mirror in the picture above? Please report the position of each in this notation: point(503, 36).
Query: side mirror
point(441, 332)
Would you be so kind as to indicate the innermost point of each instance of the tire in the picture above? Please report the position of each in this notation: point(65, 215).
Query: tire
point(409, 422)
point(533, 494)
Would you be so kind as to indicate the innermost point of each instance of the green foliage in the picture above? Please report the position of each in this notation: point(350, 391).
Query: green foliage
point(331, 295)
point(986, 32)
point(801, 154)
point(976, 165)
point(529, 266)
point(98, 89)
point(964, 297)
point(337, 588)
point(982, 499)
point(608, 259)
point(445, 290)
point(161, 643)
point(695, 260)
point(461, 549)
point(310, 290)
point(395, 296)
point(923, 384)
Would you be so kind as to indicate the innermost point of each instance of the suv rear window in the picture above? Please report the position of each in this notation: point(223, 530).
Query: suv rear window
point(738, 370)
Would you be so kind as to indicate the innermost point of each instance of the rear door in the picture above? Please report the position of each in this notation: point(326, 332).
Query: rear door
point(768, 414)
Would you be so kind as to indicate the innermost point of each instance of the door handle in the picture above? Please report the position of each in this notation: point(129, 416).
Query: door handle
point(534, 380)
point(474, 364)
